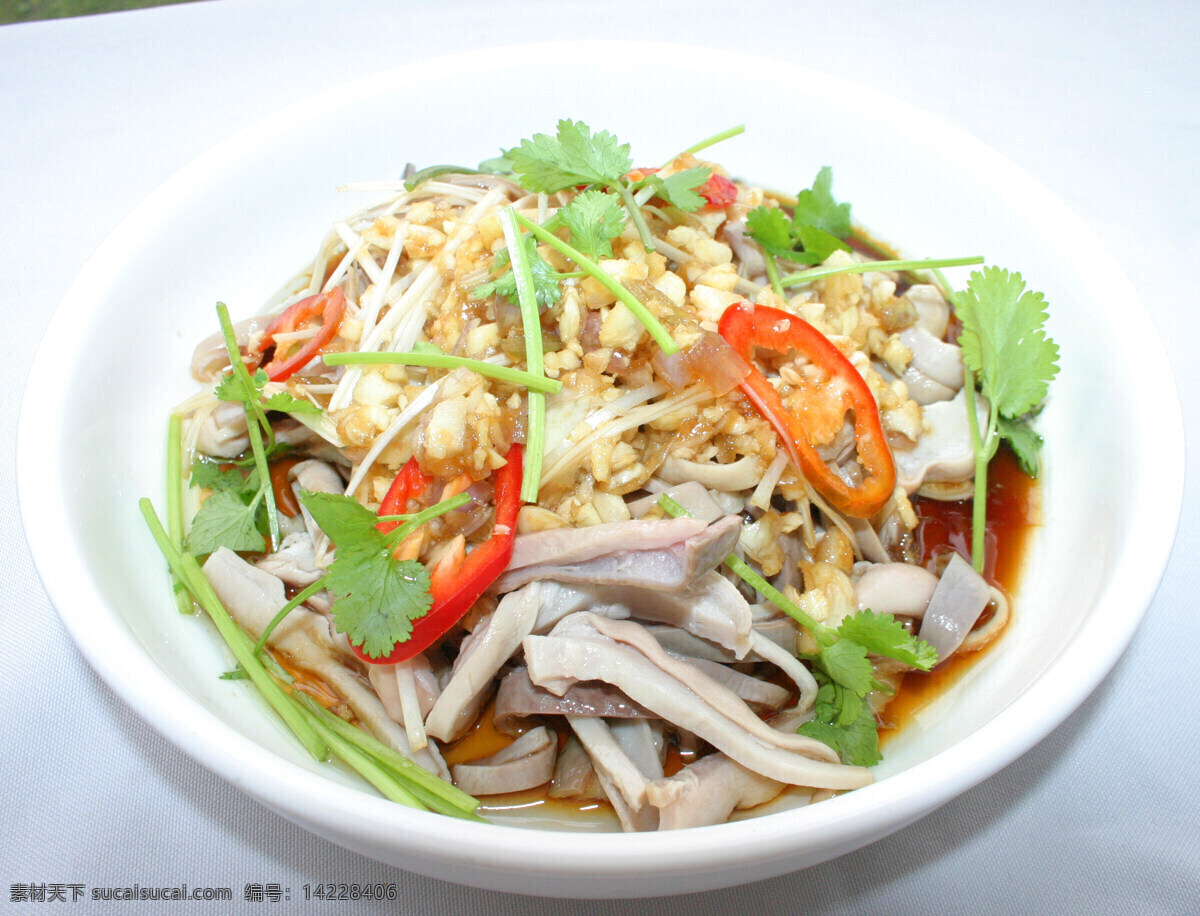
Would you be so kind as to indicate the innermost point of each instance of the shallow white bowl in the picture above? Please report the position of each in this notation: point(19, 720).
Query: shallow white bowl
point(238, 221)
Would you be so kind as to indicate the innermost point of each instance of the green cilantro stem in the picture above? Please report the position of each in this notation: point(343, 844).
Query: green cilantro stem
point(710, 141)
point(175, 502)
point(773, 274)
point(389, 787)
point(636, 215)
point(657, 331)
point(437, 794)
point(188, 571)
point(820, 273)
point(982, 458)
point(444, 361)
point(298, 600)
point(417, 519)
point(256, 421)
point(436, 171)
point(531, 324)
point(983, 453)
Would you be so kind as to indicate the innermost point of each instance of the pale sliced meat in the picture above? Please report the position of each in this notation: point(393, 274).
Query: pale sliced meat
point(518, 697)
point(659, 554)
point(622, 781)
point(526, 763)
point(498, 637)
point(707, 792)
point(899, 589)
point(557, 662)
point(711, 608)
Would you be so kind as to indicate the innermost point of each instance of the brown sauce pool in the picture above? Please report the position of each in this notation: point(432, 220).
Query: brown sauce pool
point(1013, 511)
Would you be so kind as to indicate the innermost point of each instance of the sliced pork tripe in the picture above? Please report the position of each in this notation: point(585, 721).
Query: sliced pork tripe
point(711, 608)
point(557, 662)
point(714, 691)
point(483, 654)
point(254, 597)
point(526, 763)
point(711, 611)
point(894, 588)
point(518, 697)
point(624, 765)
point(664, 554)
point(707, 792)
point(944, 453)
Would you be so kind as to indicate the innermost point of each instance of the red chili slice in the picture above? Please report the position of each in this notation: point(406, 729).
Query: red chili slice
point(329, 307)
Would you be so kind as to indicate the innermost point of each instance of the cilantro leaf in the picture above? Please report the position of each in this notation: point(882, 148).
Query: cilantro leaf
point(679, 189)
point(286, 403)
point(215, 475)
point(377, 596)
point(574, 156)
point(594, 219)
point(816, 207)
point(346, 522)
point(770, 227)
point(1004, 340)
point(883, 635)
point(856, 738)
point(497, 165)
point(1006, 349)
point(815, 230)
point(1025, 443)
point(225, 520)
point(232, 388)
point(816, 244)
point(546, 280)
point(846, 664)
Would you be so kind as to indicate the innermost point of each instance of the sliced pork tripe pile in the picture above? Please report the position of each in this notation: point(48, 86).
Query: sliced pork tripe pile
point(618, 457)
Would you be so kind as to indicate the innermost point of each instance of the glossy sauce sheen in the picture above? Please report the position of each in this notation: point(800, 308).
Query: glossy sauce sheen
point(1014, 509)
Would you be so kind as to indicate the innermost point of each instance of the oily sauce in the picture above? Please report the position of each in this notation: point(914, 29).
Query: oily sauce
point(1013, 510)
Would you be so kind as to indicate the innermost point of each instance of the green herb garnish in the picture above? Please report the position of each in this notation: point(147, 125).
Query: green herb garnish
point(594, 220)
point(1007, 352)
point(814, 231)
point(546, 280)
point(377, 596)
point(432, 357)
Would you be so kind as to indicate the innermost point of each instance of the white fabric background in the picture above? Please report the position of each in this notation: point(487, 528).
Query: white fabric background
point(1097, 100)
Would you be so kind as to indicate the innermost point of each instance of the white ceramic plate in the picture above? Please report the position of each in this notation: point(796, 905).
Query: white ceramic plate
point(238, 221)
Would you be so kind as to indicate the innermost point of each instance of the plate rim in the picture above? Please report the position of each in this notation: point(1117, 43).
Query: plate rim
point(909, 793)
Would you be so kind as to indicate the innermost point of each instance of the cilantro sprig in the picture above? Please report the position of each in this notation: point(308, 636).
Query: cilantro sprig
point(815, 230)
point(590, 267)
point(843, 719)
point(1007, 352)
point(546, 280)
point(594, 219)
point(377, 597)
point(575, 157)
point(241, 513)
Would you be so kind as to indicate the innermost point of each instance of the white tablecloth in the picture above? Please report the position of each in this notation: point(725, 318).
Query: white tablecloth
point(1098, 100)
